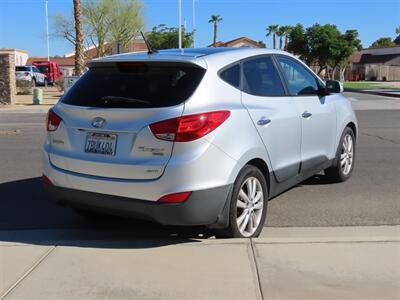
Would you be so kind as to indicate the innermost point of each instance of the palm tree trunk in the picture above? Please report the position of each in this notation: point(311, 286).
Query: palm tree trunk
point(274, 40)
point(79, 49)
point(215, 34)
point(286, 41)
point(280, 43)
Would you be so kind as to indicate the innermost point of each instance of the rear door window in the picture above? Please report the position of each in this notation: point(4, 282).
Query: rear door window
point(261, 77)
point(135, 85)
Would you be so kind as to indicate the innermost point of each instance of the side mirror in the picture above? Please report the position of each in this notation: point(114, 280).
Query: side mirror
point(333, 87)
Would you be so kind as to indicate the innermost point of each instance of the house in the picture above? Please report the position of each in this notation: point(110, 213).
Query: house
point(21, 56)
point(239, 42)
point(111, 49)
point(375, 64)
point(67, 62)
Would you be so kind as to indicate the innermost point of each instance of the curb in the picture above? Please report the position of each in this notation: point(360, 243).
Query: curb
point(25, 110)
point(385, 94)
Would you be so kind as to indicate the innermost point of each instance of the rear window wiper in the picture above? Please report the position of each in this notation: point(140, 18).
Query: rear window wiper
point(107, 99)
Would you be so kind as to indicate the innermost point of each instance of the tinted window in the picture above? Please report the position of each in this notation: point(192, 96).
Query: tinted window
point(135, 85)
point(232, 75)
point(261, 78)
point(300, 80)
point(22, 69)
point(43, 69)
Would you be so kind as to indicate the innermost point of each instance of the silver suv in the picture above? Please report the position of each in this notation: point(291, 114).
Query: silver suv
point(195, 136)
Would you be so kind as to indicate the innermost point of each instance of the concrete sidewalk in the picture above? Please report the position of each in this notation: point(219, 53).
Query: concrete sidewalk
point(285, 263)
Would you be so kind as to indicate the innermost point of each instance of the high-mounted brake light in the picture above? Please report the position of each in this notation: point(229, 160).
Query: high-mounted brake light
point(189, 128)
point(52, 120)
point(175, 198)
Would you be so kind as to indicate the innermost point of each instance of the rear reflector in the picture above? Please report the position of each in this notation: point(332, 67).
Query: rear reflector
point(46, 180)
point(175, 198)
point(189, 128)
point(52, 120)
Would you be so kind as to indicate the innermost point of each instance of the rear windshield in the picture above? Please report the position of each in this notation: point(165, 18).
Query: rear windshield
point(135, 85)
point(22, 68)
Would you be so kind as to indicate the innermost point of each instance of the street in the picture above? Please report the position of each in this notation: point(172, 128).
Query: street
point(321, 240)
point(370, 197)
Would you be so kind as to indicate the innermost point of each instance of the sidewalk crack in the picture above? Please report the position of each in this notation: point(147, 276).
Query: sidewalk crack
point(253, 255)
point(33, 267)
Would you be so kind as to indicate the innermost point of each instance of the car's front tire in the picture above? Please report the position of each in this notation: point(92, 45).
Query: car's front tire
point(345, 158)
point(248, 205)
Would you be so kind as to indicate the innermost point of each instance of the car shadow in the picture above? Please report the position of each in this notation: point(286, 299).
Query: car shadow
point(28, 216)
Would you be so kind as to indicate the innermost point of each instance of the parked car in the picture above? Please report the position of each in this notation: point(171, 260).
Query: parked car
point(50, 69)
point(196, 136)
point(31, 74)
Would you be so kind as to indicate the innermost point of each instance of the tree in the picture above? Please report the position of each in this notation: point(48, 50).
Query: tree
point(280, 33)
point(116, 21)
point(298, 44)
point(215, 19)
point(324, 46)
point(162, 37)
point(273, 29)
point(64, 27)
point(286, 31)
point(125, 20)
point(261, 44)
point(79, 49)
point(397, 39)
point(343, 49)
point(382, 43)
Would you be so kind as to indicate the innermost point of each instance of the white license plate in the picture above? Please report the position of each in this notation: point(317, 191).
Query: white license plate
point(101, 143)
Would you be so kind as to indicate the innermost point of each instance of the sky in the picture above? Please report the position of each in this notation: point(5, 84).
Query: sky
point(22, 22)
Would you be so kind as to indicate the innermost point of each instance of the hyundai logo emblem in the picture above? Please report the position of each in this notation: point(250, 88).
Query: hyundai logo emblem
point(98, 122)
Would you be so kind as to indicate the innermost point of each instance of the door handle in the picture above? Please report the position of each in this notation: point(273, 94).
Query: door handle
point(306, 115)
point(263, 121)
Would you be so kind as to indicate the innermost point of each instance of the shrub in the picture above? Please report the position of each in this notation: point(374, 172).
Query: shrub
point(59, 84)
point(24, 87)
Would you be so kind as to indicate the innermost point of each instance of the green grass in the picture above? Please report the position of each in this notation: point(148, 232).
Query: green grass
point(362, 85)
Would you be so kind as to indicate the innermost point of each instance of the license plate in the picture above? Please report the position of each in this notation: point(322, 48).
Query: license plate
point(101, 143)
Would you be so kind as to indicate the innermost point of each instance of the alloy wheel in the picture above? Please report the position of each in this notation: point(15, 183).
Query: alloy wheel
point(249, 206)
point(347, 154)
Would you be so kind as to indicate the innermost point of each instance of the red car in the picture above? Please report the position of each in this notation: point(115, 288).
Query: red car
point(50, 69)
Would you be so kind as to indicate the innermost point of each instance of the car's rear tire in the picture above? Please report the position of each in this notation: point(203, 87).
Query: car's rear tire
point(345, 158)
point(33, 82)
point(248, 205)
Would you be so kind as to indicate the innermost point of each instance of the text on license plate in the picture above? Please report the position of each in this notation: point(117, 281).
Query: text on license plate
point(101, 143)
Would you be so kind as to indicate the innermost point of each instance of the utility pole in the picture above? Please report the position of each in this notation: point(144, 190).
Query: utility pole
point(47, 31)
point(194, 22)
point(180, 23)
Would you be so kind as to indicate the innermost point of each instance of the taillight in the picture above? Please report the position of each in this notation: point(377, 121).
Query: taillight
point(52, 121)
point(189, 128)
point(175, 198)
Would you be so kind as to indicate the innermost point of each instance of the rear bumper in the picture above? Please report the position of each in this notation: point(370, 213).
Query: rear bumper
point(205, 207)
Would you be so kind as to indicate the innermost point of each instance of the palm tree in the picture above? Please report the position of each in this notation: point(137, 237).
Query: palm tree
point(398, 30)
point(215, 19)
point(287, 30)
point(273, 29)
point(280, 33)
point(79, 49)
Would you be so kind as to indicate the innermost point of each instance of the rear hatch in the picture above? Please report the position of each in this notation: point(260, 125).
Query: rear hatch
point(22, 72)
point(105, 116)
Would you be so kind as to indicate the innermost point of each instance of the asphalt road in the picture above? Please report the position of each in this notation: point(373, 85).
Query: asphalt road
point(370, 197)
